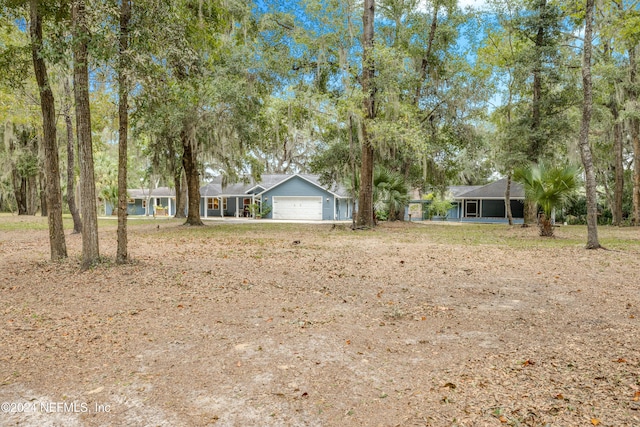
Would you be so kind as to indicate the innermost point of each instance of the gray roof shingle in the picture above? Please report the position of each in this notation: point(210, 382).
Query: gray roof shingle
point(494, 190)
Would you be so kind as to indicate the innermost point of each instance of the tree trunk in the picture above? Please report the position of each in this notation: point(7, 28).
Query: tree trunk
point(354, 172)
point(123, 131)
point(54, 195)
point(42, 182)
point(71, 163)
point(365, 199)
point(178, 180)
point(181, 197)
point(635, 136)
point(507, 199)
point(90, 249)
point(33, 198)
point(618, 141)
point(530, 212)
point(585, 149)
point(536, 144)
point(13, 144)
point(19, 191)
point(190, 165)
point(545, 225)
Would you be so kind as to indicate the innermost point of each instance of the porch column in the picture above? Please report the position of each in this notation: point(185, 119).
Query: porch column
point(221, 205)
point(335, 209)
point(206, 204)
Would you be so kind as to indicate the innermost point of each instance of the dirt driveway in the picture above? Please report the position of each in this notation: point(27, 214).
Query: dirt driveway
point(315, 325)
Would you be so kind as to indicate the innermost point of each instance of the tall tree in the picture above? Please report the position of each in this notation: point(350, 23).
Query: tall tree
point(191, 169)
point(47, 105)
point(365, 198)
point(123, 131)
point(585, 149)
point(81, 37)
point(635, 130)
point(71, 163)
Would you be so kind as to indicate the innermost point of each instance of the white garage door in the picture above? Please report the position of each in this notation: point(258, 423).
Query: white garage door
point(288, 207)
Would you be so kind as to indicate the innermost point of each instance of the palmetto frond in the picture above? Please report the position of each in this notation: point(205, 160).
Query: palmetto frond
point(549, 186)
point(390, 190)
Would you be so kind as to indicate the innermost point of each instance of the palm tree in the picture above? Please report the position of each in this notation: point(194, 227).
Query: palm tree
point(550, 187)
point(390, 193)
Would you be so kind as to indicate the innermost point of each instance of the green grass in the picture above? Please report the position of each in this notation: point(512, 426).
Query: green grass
point(263, 232)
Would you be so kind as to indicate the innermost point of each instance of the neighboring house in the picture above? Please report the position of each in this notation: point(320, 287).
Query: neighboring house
point(485, 203)
point(159, 201)
point(296, 197)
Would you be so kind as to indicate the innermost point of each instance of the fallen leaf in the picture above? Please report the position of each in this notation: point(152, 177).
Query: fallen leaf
point(636, 396)
point(528, 362)
point(503, 419)
point(595, 421)
point(180, 306)
point(452, 386)
point(621, 360)
point(348, 342)
point(559, 396)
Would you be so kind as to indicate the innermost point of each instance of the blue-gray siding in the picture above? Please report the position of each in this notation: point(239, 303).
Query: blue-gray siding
point(232, 202)
point(300, 187)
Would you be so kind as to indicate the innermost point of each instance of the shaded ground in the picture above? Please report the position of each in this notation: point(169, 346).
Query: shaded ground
point(406, 325)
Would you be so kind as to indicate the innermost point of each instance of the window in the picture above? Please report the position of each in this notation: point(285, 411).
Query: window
point(213, 204)
point(144, 204)
point(131, 201)
point(224, 203)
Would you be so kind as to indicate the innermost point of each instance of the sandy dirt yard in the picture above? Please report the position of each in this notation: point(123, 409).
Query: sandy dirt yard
point(263, 324)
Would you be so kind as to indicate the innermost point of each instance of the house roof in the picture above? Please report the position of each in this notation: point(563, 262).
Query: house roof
point(143, 193)
point(215, 189)
point(267, 182)
point(494, 190)
point(457, 190)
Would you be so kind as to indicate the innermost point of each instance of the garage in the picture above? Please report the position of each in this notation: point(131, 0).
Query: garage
point(297, 207)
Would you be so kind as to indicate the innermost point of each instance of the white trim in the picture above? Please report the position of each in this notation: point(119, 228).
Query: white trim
point(335, 209)
point(466, 208)
point(254, 187)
